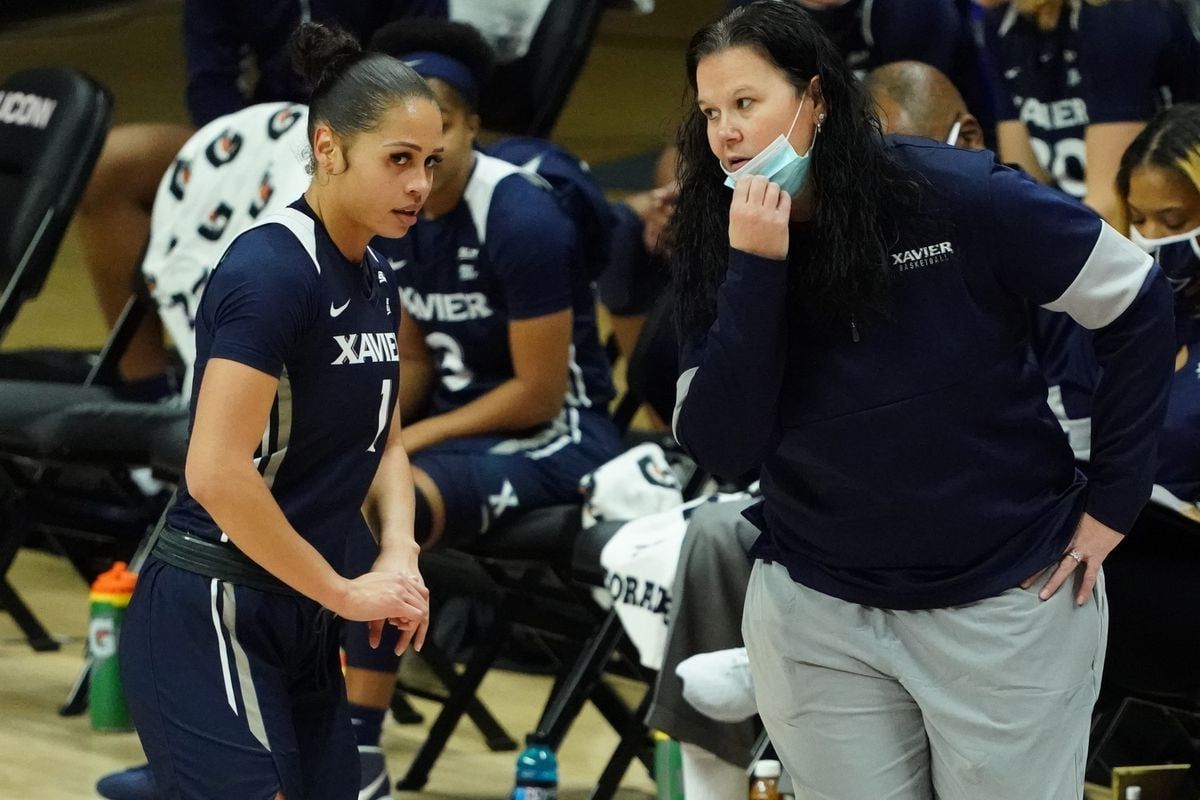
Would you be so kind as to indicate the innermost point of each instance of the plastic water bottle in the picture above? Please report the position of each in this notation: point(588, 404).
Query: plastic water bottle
point(668, 768)
point(537, 771)
point(106, 698)
point(765, 785)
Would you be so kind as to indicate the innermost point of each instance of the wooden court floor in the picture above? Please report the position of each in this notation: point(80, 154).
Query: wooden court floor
point(623, 105)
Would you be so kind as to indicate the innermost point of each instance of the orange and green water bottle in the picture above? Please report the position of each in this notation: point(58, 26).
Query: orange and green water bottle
point(109, 598)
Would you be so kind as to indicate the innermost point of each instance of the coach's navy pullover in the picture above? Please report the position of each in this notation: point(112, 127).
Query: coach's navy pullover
point(914, 462)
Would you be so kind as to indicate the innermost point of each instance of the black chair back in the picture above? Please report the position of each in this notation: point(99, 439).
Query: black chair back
point(525, 96)
point(53, 122)
point(1154, 612)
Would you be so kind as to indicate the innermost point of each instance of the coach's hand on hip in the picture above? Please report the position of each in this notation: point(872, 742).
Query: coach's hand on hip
point(758, 218)
point(1091, 544)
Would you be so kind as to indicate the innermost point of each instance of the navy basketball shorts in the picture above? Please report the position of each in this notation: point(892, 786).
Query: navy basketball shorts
point(236, 692)
point(487, 480)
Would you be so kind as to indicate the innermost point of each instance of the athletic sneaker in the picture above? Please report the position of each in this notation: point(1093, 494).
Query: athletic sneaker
point(135, 783)
point(375, 783)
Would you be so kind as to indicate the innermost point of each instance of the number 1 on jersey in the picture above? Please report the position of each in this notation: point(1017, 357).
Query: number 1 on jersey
point(385, 401)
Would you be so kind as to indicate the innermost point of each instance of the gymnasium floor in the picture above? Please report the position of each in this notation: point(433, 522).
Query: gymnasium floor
point(622, 106)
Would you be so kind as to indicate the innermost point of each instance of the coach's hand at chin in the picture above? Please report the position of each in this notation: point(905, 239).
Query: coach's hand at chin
point(758, 218)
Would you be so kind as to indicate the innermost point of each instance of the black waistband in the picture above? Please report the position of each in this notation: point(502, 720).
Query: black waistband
point(220, 560)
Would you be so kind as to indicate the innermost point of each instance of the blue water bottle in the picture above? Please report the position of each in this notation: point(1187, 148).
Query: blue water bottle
point(537, 771)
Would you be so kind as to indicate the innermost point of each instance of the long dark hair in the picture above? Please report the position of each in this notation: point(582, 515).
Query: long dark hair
point(857, 186)
point(351, 88)
point(1170, 140)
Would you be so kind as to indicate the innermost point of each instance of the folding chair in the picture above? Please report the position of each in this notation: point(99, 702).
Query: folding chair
point(545, 567)
point(526, 96)
point(52, 126)
point(1154, 613)
point(53, 122)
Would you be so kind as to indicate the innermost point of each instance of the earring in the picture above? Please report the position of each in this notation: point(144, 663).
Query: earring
point(820, 119)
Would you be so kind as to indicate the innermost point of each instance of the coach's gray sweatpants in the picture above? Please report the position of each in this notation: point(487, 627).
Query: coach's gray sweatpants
point(988, 701)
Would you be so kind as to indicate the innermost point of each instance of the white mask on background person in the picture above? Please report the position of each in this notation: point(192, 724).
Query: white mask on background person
point(1180, 267)
point(952, 139)
point(1152, 245)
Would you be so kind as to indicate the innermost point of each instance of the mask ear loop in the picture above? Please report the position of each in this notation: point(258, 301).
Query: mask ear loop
point(955, 129)
point(796, 118)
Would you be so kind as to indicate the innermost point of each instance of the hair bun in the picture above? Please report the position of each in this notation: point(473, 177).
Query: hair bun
point(320, 53)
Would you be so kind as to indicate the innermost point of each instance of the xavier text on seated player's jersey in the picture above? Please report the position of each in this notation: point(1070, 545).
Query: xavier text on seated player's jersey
point(286, 302)
point(506, 252)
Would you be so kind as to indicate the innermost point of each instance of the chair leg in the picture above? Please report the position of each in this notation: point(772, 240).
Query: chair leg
point(402, 710)
point(77, 698)
point(14, 529)
point(37, 636)
point(461, 693)
point(573, 691)
point(633, 738)
point(497, 738)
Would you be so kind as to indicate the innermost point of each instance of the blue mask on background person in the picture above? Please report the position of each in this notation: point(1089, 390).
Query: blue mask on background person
point(778, 162)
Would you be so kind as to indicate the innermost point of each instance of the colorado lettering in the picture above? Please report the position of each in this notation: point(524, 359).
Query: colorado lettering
point(360, 348)
point(648, 595)
point(922, 256)
point(26, 110)
point(452, 307)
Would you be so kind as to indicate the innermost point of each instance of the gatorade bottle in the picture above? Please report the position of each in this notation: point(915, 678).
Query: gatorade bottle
point(765, 784)
point(668, 768)
point(537, 771)
point(109, 598)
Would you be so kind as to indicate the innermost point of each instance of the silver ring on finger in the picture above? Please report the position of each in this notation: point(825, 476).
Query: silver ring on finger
point(1078, 556)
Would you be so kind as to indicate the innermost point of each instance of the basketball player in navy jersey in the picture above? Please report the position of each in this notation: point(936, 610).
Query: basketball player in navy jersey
point(1078, 80)
point(498, 348)
point(1158, 184)
point(229, 651)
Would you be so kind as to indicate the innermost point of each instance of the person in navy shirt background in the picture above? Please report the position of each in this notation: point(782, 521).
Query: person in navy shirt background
point(505, 386)
point(229, 650)
point(1078, 80)
point(1159, 186)
point(856, 331)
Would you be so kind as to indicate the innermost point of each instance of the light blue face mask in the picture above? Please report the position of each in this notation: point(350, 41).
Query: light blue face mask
point(778, 162)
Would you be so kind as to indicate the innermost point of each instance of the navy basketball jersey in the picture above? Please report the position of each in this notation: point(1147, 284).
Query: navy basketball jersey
point(283, 300)
point(508, 251)
point(1120, 62)
point(871, 33)
point(1064, 352)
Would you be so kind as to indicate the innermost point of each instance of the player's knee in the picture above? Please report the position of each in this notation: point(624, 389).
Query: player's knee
point(130, 166)
point(429, 513)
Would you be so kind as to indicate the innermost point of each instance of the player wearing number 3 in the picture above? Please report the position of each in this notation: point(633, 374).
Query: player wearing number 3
point(504, 386)
point(926, 614)
point(230, 649)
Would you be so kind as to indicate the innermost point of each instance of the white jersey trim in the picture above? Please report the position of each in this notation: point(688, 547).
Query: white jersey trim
point(254, 717)
point(682, 386)
point(1109, 282)
point(300, 224)
point(221, 649)
point(485, 177)
point(1078, 431)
